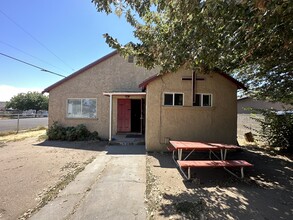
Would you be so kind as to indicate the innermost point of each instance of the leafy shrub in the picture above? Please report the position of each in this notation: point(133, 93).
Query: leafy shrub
point(78, 133)
point(56, 132)
point(277, 129)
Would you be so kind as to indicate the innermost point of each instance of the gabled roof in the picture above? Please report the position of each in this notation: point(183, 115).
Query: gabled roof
point(48, 89)
point(239, 85)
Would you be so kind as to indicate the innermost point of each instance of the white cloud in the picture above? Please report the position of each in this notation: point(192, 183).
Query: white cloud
point(6, 92)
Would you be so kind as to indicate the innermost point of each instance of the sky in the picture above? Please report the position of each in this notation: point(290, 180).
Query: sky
point(61, 36)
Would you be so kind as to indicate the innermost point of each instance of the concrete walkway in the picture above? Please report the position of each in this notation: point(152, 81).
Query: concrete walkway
point(111, 187)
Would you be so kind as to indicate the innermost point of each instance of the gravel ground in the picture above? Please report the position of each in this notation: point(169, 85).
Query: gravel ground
point(33, 171)
point(265, 193)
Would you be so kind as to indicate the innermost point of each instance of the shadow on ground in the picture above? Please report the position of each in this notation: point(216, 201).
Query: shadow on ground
point(96, 146)
point(265, 193)
point(81, 145)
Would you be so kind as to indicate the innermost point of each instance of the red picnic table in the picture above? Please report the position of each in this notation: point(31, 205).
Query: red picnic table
point(191, 146)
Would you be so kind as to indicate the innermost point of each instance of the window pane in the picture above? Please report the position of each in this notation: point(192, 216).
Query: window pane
point(89, 109)
point(206, 100)
point(168, 99)
point(197, 100)
point(74, 108)
point(130, 59)
point(178, 99)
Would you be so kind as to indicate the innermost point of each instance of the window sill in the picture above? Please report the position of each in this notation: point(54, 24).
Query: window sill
point(198, 108)
point(81, 118)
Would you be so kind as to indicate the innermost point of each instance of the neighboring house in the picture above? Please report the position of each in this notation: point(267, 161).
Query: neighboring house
point(246, 115)
point(246, 105)
point(113, 95)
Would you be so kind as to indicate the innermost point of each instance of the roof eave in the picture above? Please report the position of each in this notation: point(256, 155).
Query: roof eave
point(227, 76)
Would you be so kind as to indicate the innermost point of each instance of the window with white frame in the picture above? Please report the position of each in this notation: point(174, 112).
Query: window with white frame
point(173, 99)
point(82, 108)
point(202, 99)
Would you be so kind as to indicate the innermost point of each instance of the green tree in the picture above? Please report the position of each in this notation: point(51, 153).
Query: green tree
point(30, 100)
point(251, 39)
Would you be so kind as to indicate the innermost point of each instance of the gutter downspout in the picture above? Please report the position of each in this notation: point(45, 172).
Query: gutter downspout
point(110, 118)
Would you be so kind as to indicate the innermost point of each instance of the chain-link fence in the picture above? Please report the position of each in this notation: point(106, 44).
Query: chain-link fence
point(23, 121)
point(246, 124)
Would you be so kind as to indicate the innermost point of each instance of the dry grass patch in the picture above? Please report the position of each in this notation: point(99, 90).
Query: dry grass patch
point(13, 136)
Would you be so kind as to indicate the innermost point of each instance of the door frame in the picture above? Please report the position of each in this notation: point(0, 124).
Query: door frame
point(113, 96)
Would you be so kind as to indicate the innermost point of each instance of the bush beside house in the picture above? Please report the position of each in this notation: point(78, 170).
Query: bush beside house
point(78, 133)
point(277, 129)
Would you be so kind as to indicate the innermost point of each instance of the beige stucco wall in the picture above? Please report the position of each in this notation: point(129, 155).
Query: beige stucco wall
point(113, 74)
point(214, 124)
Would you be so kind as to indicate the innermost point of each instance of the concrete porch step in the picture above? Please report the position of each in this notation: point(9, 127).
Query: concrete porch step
point(127, 139)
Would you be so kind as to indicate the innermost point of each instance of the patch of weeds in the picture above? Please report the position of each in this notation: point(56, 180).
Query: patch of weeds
point(69, 165)
point(88, 161)
point(152, 193)
point(2, 144)
point(191, 210)
point(39, 128)
point(53, 192)
point(21, 136)
point(6, 133)
point(42, 137)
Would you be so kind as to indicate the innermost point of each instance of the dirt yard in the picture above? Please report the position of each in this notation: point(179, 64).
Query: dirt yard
point(34, 171)
point(266, 192)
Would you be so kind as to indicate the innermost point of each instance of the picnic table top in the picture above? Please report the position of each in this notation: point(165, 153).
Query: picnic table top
point(196, 145)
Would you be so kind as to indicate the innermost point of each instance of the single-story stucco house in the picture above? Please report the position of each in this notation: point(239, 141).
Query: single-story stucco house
point(245, 105)
point(112, 95)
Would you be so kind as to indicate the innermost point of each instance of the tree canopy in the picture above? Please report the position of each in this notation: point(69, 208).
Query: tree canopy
point(27, 101)
point(251, 39)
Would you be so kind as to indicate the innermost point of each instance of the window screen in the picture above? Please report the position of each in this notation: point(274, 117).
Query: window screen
point(81, 108)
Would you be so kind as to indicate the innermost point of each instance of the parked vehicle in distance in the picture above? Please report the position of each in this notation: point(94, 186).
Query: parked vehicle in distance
point(42, 113)
point(34, 113)
point(29, 113)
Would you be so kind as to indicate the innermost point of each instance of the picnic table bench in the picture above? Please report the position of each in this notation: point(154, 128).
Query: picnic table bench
point(179, 146)
point(213, 163)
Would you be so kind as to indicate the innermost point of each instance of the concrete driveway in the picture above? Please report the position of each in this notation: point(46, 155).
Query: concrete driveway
point(111, 187)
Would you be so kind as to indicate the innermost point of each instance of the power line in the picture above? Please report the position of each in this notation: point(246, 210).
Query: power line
point(9, 45)
point(40, 68)
point(35, 39)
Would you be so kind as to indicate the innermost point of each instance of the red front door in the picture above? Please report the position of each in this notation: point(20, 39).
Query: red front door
point(124, 115)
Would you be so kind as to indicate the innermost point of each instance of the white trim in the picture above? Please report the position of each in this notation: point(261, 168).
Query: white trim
point(68, 117)
point(146, 123)
point(124, 93)
point(110, 118)
point(201, 99)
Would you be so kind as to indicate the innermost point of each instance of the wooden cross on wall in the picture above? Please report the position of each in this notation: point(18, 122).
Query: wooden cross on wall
point(193, 78)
